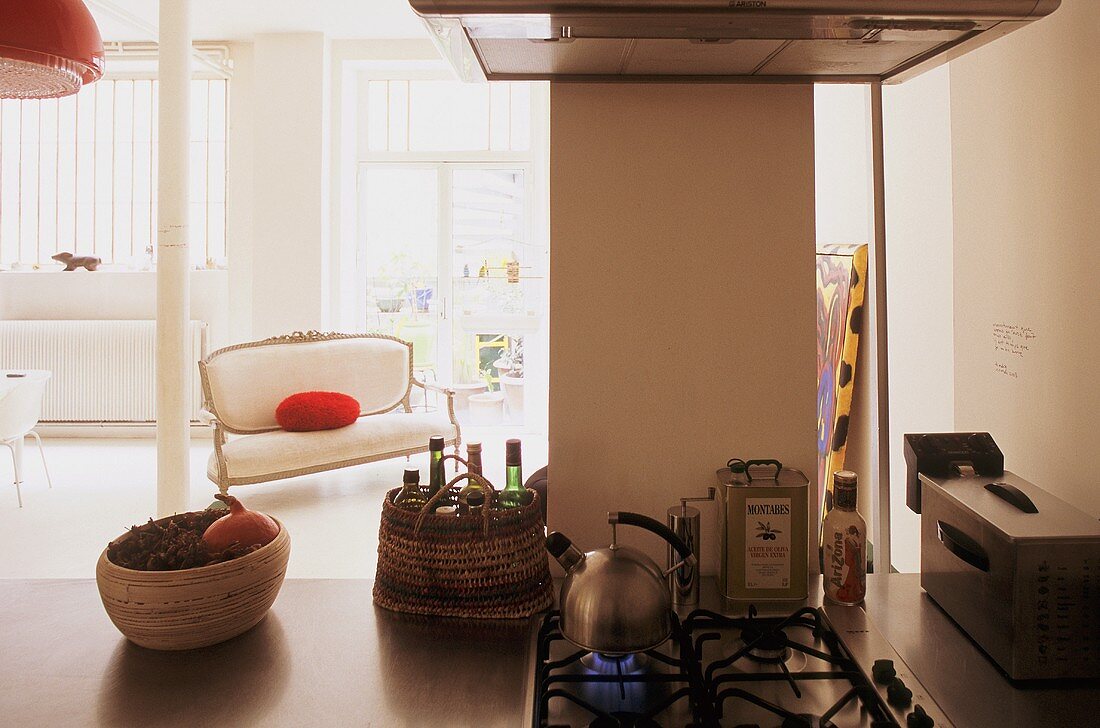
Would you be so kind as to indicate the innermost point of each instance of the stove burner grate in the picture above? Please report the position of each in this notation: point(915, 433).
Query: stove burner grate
point(768, 647)
point(650, 683)
point(680, 678)
point(620, 719)
point(805, 720)
point(601, 664)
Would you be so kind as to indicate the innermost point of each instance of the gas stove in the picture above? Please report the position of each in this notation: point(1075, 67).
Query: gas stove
point(817, 667)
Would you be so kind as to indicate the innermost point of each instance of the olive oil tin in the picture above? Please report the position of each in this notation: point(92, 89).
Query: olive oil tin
point(762, 531)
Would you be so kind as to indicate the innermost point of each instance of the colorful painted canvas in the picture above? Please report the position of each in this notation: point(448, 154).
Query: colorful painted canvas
point(841, 282)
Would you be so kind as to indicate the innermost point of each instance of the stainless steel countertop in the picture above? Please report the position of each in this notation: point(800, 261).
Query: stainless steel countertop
point(326, 656)
point(967, 684)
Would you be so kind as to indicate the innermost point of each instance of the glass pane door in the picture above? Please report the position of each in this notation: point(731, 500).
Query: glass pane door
point(402, 222)
point(450, 265)
point(494, 291)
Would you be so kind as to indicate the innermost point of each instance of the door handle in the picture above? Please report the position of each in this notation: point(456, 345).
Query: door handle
point(963, 546)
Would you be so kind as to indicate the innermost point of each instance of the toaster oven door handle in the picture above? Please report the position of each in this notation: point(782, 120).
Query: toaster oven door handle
point(963, 546)
point(1013, 496)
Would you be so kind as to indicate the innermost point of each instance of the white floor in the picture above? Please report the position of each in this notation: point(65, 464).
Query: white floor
point(103, 486)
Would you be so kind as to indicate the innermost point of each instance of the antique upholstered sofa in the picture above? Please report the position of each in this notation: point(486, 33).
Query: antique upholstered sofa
point(243, 384)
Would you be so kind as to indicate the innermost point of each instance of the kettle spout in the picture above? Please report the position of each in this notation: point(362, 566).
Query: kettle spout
point(562, 549)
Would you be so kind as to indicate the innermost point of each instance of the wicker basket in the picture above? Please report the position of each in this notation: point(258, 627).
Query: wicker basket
point(444, 565)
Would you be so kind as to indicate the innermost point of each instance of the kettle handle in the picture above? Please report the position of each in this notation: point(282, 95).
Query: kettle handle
point(636, 519)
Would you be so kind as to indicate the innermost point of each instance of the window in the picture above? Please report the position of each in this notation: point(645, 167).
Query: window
point(80, 174)
point(431, 116)
point(454, 241)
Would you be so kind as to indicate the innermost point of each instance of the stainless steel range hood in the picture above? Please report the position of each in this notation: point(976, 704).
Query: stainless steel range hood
point(769, 41)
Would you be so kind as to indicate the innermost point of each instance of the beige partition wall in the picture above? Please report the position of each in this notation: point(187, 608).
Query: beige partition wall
point(1025, 126)
point(681, 295)
point(290, 175)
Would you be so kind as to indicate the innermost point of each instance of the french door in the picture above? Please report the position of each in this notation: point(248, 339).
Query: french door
point(448, 260)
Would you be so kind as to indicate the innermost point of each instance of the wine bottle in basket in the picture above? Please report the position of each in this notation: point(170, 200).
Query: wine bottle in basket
point(473, 462)
point(438, 473)
point(436, 477)
point(475, 502)
point(411, 497)
point(473, 457)
point(514, 494)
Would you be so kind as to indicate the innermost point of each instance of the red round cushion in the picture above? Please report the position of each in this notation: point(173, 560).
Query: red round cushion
point(309, 411)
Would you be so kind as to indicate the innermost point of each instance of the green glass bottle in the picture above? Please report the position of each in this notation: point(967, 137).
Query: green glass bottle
point(410, 498)
point(436, 474)
point(438, 479)
point(473, 457)
point(514, 494)
point(473, 461)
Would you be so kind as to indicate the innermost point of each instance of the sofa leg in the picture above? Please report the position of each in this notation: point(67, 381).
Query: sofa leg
point(224, 489)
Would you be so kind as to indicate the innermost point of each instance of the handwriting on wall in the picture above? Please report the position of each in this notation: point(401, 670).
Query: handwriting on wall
point(1012, 345)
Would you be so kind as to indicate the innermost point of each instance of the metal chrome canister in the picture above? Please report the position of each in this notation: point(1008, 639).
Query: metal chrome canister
point(683, 583)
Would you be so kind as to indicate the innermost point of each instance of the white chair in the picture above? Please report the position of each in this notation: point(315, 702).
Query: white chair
point(20, 408)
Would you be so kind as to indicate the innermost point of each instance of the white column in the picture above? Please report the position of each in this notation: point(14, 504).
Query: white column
point(880, 522)
point(173, 260)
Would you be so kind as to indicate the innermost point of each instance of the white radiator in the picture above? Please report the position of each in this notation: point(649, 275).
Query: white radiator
point(103, 371)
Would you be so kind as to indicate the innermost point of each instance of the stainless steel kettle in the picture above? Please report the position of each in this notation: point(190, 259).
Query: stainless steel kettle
point(615, 600)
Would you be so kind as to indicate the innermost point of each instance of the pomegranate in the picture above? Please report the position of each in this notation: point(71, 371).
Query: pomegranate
point(241, 526)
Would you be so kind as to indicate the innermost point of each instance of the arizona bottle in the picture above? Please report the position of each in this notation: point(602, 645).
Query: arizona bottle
point(844, 535)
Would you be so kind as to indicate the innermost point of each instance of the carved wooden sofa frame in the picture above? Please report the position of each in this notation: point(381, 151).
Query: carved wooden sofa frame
point(256, 419)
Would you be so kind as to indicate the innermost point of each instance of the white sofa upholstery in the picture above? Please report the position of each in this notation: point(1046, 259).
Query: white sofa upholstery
point(243, 384)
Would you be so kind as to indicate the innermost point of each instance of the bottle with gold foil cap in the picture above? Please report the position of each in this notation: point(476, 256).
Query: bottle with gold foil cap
point(473, 465)
point(473, 456)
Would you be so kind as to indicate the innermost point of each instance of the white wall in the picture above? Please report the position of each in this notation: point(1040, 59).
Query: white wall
point(290, 167)
point(916, 124)
point(842, 161)
point(682, 279)
point(1025, 121)
point(992, 170)
point(115, 296)
point(292, 214)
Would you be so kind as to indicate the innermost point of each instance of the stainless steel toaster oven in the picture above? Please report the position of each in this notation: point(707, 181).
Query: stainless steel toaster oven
point(1016, 567)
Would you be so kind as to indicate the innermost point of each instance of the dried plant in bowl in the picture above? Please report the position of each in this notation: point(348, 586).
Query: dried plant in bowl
point(164, 587)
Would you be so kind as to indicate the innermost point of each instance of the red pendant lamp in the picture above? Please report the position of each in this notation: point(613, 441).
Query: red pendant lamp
point(48, 48)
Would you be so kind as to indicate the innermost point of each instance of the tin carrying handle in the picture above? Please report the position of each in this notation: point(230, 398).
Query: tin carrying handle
point(737, 465)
